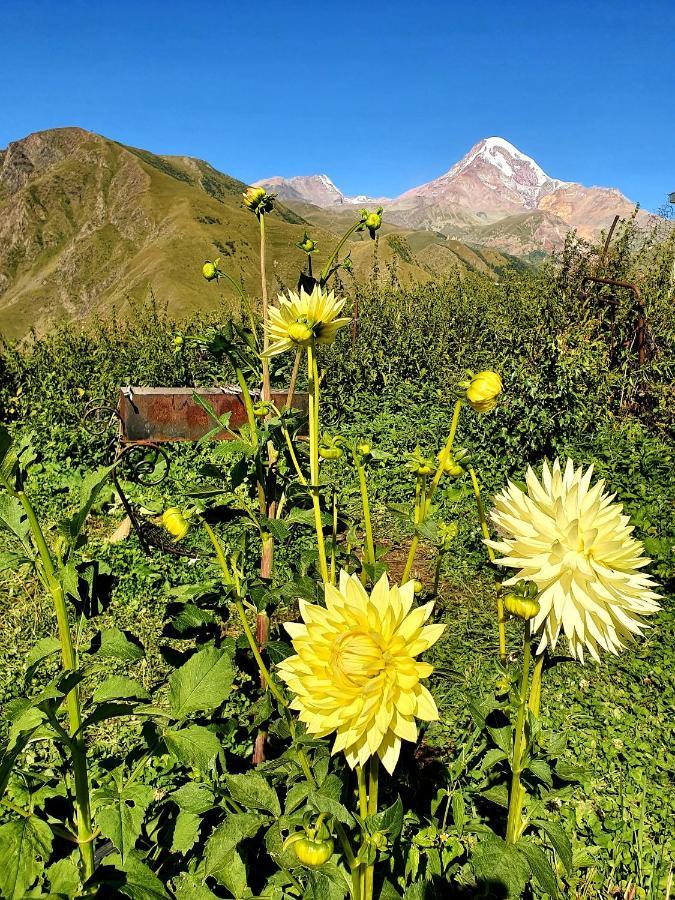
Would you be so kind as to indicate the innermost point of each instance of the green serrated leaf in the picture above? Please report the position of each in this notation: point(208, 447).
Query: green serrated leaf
point(540, 866)
point(193, 797)
point(194, 746)
point(64, 877)
point(499, 866)
point(120, 687)
point(202, 684)
point(119, 813)
point(224, 840)
point(541, 770)
point(185, 832)
point(116, 645)
point(559, 840)
point(25, 845)
point(253, 791)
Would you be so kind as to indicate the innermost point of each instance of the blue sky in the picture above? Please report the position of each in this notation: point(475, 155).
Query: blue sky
point(381, 96)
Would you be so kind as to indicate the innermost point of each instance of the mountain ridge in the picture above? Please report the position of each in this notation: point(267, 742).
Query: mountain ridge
point(88, 224)
point(493, 181)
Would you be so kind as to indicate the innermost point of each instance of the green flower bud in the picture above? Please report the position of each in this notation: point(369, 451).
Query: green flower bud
point(210, 271)
point(307, 244)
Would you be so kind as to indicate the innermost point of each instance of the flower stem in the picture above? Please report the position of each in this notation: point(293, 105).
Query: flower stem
point(265, 313)
point(85, 835)
point(333, 548)
point(514, 824)
point(363, 484)
point(323, 277)
point(426, 502)
point(534, 703)
point(373, 783)
point(486, 534)
point(294, 379)
point(230, 582)
point(313, 374)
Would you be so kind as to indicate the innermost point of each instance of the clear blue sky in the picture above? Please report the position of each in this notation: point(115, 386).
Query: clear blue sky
point(380, 95)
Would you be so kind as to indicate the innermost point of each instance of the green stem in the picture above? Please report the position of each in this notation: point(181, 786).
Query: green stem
point(333, 549)
point(426, 503)
point(294, 379)
point(514, 824)
point(363, 484)
point(313, 374)
point(343, 240)
point(248, 405)
point(534, 702)
point(77, 744)
point(229, 581)
point(265, 314)
point(373, 783)
point(501, 618)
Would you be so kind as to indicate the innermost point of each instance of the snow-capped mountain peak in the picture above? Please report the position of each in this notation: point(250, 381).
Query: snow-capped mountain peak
point(500, 166)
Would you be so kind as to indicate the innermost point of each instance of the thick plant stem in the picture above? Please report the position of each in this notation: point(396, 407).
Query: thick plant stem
point(514, 824)
point(313, 374)
point(426, 502)
point(85, 835)
point(501, 619)
point(534, 703)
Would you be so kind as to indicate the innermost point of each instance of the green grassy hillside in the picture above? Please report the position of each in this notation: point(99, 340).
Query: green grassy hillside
point(88, 225)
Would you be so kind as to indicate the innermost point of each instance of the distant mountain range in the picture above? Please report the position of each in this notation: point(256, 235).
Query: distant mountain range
point(88, 224)
point(495, 196)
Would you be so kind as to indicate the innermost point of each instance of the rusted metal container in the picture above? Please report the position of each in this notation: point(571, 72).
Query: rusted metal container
point(161, 414)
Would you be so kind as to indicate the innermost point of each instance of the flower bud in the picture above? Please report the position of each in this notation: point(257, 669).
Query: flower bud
point(418, 586)
point(307, 244)
point(451, 467)
point(447, 532)
point(210, 270)
point(522, 607)
point(330, 452)
point(261, 408)
point(482, 391)
point(175, 523)
point(364, 449)
point(300, 332)
point(372, 221)
point(258, 200)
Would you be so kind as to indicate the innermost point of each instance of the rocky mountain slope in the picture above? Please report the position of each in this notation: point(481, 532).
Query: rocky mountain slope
point(495, 196)
point(88, 225)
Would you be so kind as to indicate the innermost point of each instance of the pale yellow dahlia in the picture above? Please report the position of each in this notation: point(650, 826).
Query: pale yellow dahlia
point(355, 670)
point(302, 318)
point(573, 541)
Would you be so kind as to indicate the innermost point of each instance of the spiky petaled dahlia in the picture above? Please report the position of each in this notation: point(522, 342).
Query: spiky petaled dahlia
point(301, 318)
point(355, 670)
point(574, 543)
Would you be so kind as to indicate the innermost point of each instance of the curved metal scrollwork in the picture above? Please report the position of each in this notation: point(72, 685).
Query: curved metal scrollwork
point(144, 462)
point(99, 417)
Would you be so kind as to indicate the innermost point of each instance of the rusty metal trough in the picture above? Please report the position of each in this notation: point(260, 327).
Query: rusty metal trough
point(172, 414)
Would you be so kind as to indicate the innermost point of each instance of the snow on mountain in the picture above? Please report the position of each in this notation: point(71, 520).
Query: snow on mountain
point(494, 181)
point(316, 189)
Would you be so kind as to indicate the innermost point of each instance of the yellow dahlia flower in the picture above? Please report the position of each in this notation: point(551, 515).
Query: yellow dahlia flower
point(301, 318)
point(355, 671)
point(575, 544)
